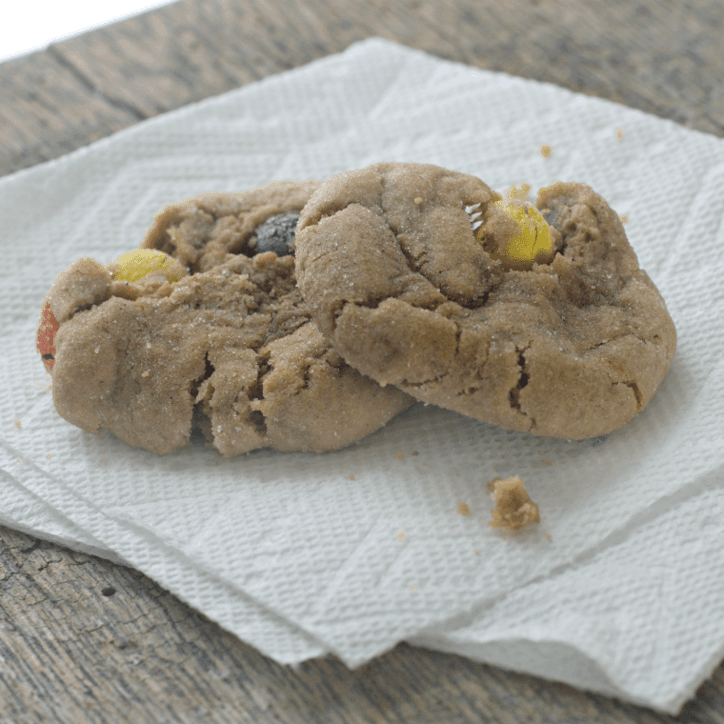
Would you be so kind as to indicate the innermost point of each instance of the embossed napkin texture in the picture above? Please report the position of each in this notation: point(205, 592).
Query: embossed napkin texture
point(619, 588)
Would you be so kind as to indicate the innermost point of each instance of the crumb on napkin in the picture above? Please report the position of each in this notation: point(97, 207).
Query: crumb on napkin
point(514, 510)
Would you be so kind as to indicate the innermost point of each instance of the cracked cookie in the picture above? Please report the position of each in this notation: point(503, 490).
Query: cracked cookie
point(570, 342)
point(202, 230)
point(154, 354)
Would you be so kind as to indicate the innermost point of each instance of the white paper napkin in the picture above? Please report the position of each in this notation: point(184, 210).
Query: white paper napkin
point(619, 588)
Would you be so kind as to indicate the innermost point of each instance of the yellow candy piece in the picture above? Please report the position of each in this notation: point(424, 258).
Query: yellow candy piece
point(531, 244)
point(136, 264)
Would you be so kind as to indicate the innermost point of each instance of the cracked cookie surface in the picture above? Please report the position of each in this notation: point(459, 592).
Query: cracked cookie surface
point(230, 352)
point(388, 261)
point(202, 230)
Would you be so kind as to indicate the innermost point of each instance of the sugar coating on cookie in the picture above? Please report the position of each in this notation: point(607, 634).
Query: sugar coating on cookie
point(390, 266)
point(230, 353)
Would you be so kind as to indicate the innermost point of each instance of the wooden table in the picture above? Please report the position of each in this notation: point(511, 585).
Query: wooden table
point(83, 640)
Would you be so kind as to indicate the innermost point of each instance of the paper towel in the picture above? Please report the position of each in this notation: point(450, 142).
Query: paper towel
point(354, 551)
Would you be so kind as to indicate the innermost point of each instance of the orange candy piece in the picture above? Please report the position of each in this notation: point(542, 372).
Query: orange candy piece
point(46, 336)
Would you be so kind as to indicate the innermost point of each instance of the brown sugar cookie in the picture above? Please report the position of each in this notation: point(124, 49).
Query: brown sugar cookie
point(150, 352)
point(571, 344)
point(202, 230)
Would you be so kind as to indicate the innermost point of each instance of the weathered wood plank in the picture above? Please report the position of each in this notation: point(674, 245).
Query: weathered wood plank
point(83, 640)
point(648, 54)
point(45, 112)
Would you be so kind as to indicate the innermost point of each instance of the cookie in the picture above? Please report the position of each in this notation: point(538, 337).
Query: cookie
point(229, 353)
point(571, 341)
point(201, 231)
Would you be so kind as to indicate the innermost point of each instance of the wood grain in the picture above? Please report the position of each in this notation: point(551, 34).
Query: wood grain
point(655, 55)
point(84, 640)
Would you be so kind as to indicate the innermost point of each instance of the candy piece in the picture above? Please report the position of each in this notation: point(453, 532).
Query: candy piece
point(277, 234)
point(139, 263)
point(514, 510)
point(46, 335)
point(528, 242)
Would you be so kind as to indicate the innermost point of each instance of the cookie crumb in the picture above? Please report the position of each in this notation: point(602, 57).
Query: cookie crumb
point(400, 455)
point(413, 588)
point(545, 150)
point(18, 424)
point(352, 477)
point(549, 536)
point(401, 537)
point(624, 218)
point(414, 452)
point(619, 134)
point(463, 509)
point(477, 553)
point(514, 510)
point(418, 200)
point(48, 456)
